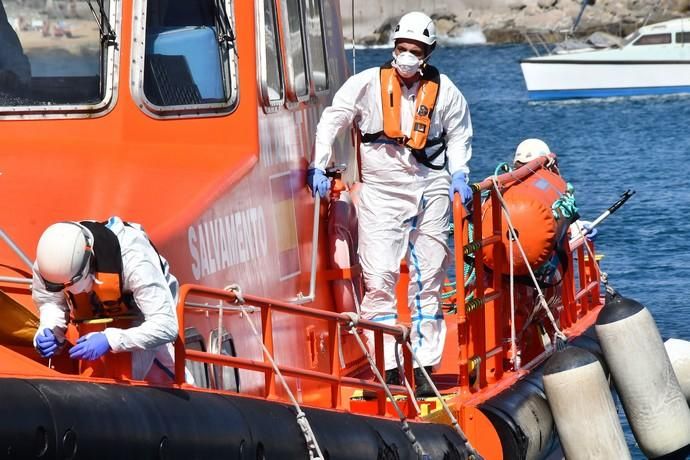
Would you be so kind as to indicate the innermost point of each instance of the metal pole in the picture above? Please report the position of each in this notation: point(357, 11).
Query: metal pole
point(11, 279)
point(301, 299)
point(16, 249)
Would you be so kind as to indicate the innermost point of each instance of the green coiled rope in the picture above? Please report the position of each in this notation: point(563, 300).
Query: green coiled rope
point(565, 206)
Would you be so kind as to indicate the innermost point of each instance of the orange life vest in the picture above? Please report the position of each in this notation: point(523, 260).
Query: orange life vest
point(427, 95)
point(106, 301)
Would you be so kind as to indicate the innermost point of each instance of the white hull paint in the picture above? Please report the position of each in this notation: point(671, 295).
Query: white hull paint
point(559, 79)
point(653, 60)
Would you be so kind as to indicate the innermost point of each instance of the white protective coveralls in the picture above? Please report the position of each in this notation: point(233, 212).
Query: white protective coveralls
point(403, 209)
point(155, 293)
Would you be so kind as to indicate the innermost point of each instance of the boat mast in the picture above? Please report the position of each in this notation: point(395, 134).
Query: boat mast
point(579, 15)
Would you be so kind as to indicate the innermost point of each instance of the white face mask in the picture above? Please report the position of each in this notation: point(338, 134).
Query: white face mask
point(406, 63)
point(83, 285)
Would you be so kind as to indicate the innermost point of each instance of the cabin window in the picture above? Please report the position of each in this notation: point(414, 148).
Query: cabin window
point(272, 87)
point(682, 37)
point(57, 58)
point(293, 37)
point(194, 341)
point(317, 48)
point(653, 39)
point(224, 377)
point(188, 58)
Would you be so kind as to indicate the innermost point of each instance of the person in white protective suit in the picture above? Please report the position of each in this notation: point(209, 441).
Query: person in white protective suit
point(106, 272)
point(415, 146)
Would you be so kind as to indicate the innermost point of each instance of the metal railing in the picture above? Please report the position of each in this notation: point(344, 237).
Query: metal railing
point(483, 341)
point(22, 256)
point(483, 321)
point(581, 293)
point(301, 298)
point(267, 307)
point(538, 42)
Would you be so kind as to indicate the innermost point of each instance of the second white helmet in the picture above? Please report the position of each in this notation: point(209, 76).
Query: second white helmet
point(529, 149)
point(63, 253)
point(416, 26)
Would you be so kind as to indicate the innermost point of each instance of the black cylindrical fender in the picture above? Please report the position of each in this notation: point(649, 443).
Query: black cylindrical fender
point(63, 420)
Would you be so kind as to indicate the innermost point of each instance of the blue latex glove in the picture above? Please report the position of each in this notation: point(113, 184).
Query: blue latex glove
point(459, 184)
point(318, 182)
point(46, 343)
point(90, 347)
point(591, 232)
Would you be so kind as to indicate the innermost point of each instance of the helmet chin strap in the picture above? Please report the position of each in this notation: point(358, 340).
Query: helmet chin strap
point(431, 49)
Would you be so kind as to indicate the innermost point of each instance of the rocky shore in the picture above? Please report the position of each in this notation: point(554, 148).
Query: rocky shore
point(506, 21)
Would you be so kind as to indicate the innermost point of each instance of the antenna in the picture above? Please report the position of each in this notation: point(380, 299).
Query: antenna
point(354, 61)
point(650, 12)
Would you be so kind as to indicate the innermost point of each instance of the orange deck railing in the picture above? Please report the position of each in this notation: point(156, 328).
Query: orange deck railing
point(267, 306)
point(481, 320)
point(483, 323)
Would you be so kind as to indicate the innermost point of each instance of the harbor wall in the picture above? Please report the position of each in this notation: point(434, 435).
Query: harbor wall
point(502, 21)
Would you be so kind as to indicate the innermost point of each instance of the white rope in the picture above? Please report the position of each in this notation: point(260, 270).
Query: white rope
point(603, 276)
point(354, 319)
point(313, 446)
point(446, 409)
point(355, 297)
point(542, 300)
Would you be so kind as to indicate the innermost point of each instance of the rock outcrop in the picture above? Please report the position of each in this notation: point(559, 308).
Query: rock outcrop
point(506, 21)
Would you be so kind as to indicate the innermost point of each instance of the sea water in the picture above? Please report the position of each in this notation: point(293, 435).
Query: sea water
point(604, 147)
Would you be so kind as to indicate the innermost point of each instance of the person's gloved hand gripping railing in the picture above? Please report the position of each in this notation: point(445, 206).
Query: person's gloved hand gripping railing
point(459, 184)
point(318, 182)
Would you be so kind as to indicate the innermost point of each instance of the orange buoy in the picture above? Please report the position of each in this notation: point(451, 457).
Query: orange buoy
point(529, 204)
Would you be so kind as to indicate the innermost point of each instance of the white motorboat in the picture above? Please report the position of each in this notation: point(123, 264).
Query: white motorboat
point(653, 60)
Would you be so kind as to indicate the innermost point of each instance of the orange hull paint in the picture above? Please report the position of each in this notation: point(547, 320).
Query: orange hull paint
point(223, 199)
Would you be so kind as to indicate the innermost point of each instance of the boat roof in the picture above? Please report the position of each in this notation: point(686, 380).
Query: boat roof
point(674, 25)
point(587, 50)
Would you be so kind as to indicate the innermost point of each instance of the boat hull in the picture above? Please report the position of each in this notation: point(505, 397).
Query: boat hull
point(68, 419)
point(549, 79)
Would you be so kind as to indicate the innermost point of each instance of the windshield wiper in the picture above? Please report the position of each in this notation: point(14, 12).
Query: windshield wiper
point(226, 35)
point(108, 36)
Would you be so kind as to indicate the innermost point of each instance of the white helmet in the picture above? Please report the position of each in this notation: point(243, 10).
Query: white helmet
point(416, 26)
point(63, 254)
point(529, 149)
